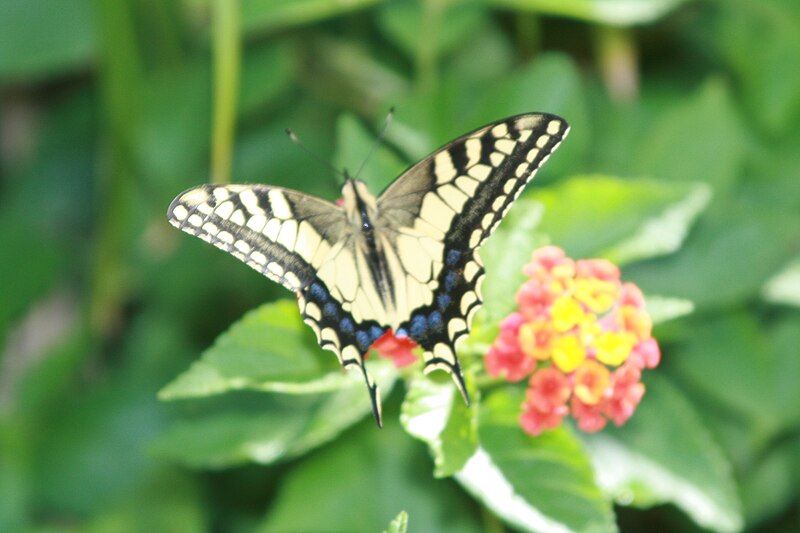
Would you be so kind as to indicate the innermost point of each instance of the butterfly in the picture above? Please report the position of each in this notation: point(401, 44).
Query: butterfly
point(404, 261)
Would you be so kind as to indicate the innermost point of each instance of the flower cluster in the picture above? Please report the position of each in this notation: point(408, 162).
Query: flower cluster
point(581, 337)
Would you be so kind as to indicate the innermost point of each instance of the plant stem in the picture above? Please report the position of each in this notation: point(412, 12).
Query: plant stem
point(120, 82)
point(226, 31)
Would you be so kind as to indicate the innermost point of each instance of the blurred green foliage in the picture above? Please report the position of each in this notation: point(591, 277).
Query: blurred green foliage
point(682, 166)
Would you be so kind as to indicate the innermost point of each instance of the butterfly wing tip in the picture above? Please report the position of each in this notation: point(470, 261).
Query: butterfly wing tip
point(375, 396)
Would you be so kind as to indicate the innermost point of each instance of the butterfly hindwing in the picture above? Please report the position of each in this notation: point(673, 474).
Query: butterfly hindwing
point(458, 195)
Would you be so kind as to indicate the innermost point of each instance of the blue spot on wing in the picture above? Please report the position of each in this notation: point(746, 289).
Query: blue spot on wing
point(443, 300)
point(375, 332)
point(330, 311)
point(363, 341)
point(452, 257)
point(418, 326)
point(319, 293)
point(450, 281)
point(435, 321)
point(347, 325)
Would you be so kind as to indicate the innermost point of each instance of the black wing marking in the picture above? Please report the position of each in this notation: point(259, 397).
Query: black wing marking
point(462, 192)
point(285, 235)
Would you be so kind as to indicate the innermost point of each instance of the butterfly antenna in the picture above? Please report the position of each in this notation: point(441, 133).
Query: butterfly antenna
point(378, 140)
point(296, 140)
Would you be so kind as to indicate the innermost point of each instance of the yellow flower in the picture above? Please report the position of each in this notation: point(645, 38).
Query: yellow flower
point(566, 313)
point(589, 329)
point(614, 348)
point(568, 353)
point(596, 294)
point(636, 321)
point(591, 382)
point(536, 339)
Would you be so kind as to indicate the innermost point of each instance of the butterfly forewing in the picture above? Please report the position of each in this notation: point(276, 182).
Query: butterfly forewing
point(458, 195)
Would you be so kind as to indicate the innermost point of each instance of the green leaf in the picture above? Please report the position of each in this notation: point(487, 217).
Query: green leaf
point(541, 483)
point(611, 12)
point(784, 287)
point(44, 38)
point(664, 454)
point(676, 146)
point(404, 22)
point(269, 349)
point(719, 255)
point(435, 413)
point(734, 361)
point(275, 428)
point(359, 482)
point(626, 219)
point(663, 309)
point(399, 524)
point(769, 485)
point(764, 62)
point(665, 232)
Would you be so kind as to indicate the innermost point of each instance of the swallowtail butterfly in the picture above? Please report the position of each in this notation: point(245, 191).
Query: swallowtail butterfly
point(406, 260)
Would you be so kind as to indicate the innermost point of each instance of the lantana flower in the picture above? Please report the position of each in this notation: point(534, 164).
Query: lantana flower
point(581, 337)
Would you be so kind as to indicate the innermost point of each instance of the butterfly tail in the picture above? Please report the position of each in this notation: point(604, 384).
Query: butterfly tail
point(374, 395)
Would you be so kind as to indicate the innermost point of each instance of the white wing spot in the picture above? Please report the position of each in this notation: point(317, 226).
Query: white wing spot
point(288, 234)
point(453, 196)
point(501, 130)
point(443, 167)
point(179, 212)
point(541, 142)
point(553, 127)
point(467, 185)
point(272, 228)
point(505, 145)
point(256, 222)
point(250, 201)
point(224, 210)
point(279, 205)
point(475, 238)
point(473, 148)
point(480, 172)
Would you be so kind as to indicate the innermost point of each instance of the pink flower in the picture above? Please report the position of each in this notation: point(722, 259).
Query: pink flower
point(548, 389)
point(534, 299)
point(534, 422)
point(646, 354)
point(630, 294)
point(627, 392)
point(399, 349)
point(505, 357)
point(601, 269)
point(590, 417)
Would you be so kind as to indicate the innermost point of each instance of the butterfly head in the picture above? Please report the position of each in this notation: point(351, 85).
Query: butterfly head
point(359, 203)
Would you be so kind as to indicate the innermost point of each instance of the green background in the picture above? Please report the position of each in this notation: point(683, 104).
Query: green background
point(683, 166)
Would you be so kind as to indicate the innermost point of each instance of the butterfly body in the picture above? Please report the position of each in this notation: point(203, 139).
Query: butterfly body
point(405, 260)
